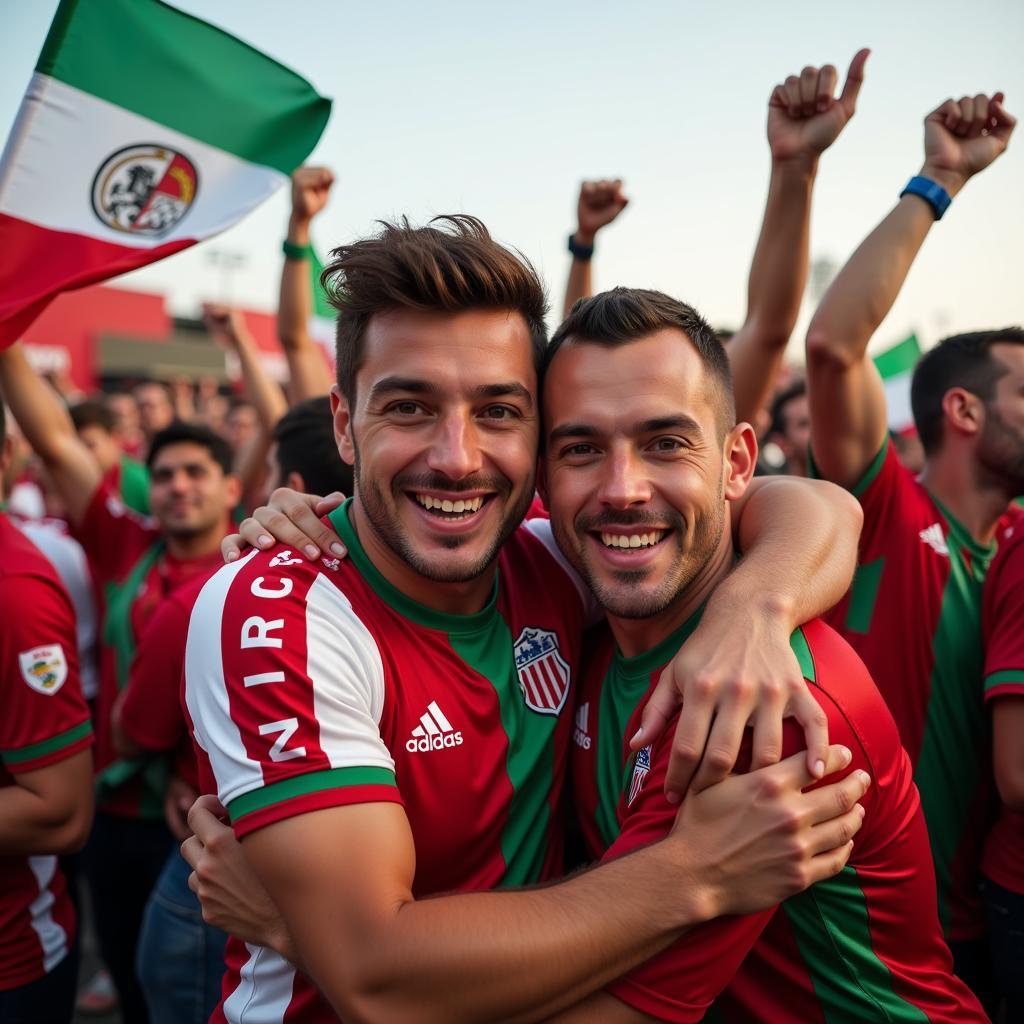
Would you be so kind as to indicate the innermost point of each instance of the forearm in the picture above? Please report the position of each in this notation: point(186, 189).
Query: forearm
point(42, 416)
point(580, 284)
point(799, 539)
point(512, 956)
point(775, 287)
point(866, 288)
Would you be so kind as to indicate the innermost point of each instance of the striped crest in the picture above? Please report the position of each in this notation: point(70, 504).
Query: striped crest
point(544, 675)
point(641, 768)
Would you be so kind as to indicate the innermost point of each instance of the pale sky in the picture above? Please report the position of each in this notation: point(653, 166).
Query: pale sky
point(499, 111)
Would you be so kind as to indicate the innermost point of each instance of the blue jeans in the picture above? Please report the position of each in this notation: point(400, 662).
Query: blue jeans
point(1006, 918)
point(180, 958)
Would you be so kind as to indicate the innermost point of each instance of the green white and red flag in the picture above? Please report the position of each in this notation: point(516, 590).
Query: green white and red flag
point(143, 131)
point(896, 367)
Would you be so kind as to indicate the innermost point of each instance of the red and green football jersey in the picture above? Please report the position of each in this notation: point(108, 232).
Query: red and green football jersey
point(1003, 628)
point(44, 721)
point(864, 946)
point(913, 614)
point(316, 685)
point(129, 561)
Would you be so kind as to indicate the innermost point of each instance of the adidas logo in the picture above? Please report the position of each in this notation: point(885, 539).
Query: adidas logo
point(579, 733)
point(933, 537)
point(433, 733)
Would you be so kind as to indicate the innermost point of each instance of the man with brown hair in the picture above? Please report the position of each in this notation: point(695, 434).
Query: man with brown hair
point(395, 725)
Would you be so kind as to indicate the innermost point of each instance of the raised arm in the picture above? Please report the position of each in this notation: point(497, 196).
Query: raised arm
point(46, 424)
point(599, 204)
point(308, 373)
point(848, 412)
point(228, 327)
point(804, 119)
point(799, 544)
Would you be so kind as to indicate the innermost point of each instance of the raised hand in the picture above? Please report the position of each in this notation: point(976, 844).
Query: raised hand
point(804, 117)
point(600, 203)
point(311, 187)
point(964, 136)
point(225, 324)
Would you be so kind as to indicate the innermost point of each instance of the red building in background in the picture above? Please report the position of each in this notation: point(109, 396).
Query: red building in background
point(100, 337)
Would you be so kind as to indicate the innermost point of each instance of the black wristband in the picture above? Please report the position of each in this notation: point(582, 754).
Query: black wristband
point(581, 252)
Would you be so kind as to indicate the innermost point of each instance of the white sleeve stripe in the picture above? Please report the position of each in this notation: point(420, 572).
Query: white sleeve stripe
point(206, 692)
point(344, 666)
point(541, 529)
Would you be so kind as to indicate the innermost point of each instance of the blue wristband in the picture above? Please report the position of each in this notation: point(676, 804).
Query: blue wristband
point(931, 192)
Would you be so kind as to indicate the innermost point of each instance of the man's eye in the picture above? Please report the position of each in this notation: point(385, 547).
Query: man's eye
point(581, 448)
point(667, 444)
point(406, 408)
point(499, 412)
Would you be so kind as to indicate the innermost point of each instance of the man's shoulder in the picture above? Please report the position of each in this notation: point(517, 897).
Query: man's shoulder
point(21, 560)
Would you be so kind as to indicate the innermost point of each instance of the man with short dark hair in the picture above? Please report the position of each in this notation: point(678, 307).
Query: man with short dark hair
point(395, 725)
point(97, 429)
point(643, 462)
point(305, 455)
point(914, 609)
point(139, 562)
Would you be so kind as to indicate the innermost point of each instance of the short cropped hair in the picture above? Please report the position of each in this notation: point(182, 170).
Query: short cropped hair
point(961, 361)
point(624, 315)
point(451, 265)
point(90, 413)
point(306, 445)
point(180, 432)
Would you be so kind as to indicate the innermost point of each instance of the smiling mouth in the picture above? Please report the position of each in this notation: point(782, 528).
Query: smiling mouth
point(640, 541)
point(450, 511)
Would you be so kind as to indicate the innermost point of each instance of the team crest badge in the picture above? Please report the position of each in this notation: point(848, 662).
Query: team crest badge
point(44, 668)
point(144, 190)
point(544, 675)
point(641, 767)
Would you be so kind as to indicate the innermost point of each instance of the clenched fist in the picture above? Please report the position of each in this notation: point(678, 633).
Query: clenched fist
point(311, 187)
point(600, 203)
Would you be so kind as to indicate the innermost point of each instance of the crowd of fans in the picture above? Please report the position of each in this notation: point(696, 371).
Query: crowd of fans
point(117, 506)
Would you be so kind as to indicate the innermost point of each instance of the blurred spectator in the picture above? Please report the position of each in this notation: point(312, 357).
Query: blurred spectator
point(791, 426)
point(97, 430)
point(305, 455)
point(155, 409)
point(241, 424)
point(128, 421)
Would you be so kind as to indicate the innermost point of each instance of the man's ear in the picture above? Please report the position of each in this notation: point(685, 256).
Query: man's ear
point(295, 482)
point(233, 490)
point(963, 411)
point(739, 459)
point(342, 426)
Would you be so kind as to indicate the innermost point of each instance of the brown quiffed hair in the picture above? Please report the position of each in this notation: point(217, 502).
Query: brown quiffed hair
point(452, 264)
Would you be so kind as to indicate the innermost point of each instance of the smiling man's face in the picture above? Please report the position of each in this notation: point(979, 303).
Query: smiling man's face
point(443, 436)
point(634, 468)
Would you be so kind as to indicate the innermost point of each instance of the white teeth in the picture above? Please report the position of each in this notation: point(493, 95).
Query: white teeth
point(633, 540)
point(445, 505)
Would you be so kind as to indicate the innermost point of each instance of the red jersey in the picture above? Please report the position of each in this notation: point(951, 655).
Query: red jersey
point(863, 946)
point(913, 613)
point(1003, 626)
point(318, 685)
point(129, 560)
point(45, 720)
point(151, 711)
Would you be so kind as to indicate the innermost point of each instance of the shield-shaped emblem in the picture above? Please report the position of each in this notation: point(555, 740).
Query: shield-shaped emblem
point(544, 675)
point(44, 668)
point(641, 767)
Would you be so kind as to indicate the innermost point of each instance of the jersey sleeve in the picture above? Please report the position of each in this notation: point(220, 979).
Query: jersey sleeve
point(151, 714)
point(284, 685)
point(682, 982)
point(881, 483)
point(45, 718)
point(112, 535)
point(1002, 619)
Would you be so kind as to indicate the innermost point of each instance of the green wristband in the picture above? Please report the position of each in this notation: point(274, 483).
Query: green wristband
point(296, 252)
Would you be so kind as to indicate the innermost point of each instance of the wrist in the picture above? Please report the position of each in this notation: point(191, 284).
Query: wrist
point(690, 896)
point(800, 165)
point(584, 238)
point(951, 181)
